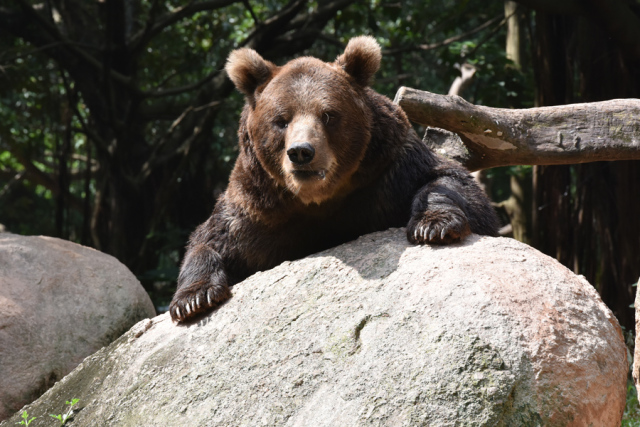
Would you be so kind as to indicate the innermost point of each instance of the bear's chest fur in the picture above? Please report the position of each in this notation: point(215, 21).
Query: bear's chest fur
point(268, 226)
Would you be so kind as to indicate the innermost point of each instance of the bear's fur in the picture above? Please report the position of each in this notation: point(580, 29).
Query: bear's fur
point(323, 159)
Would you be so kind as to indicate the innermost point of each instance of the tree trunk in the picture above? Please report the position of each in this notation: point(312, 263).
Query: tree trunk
point(587, 214)
point(518, 205)
point(514, 33)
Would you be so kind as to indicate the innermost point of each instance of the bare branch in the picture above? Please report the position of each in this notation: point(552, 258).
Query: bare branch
point(445, 42)
point(274, 24)
point(75, 174)
point(293, 29)
point(32, 171)
point(566, 134)
point(142, 38)
point(144, 34)
point(181, 89)
point(155, 158)
point(467, 71)
point(68, 45)
point(489, 36)
point(101, 144)
point(256, 21)
point(45, 47)
point(35, 175)
point(73, 156)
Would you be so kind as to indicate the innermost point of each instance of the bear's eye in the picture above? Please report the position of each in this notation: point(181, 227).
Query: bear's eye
point(327, 118)
point(281, 123)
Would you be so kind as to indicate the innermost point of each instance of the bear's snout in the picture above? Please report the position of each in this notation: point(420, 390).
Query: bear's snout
point(301, 153)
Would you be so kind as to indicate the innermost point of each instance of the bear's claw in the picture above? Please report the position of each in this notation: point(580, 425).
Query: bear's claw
point(193, 300)
point(441, 227)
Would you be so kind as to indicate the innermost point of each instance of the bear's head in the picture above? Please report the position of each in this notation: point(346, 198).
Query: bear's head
point(309, 121)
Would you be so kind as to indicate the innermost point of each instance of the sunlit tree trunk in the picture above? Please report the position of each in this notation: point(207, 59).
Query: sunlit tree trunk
point(518, 206)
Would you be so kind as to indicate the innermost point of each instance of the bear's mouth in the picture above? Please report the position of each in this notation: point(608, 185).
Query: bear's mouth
point(306, 175)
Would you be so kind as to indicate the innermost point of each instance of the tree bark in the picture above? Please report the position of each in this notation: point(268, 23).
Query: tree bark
point(514, 33)
point(460, 84)
point(566, 134)
point(517, 207)
point(519, 204)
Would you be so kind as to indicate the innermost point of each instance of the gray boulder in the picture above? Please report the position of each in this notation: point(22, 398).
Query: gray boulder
point(489, 332)
point(636, 355)
point(59, 303)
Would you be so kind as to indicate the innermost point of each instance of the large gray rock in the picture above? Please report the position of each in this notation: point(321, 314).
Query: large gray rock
point(59, 303)
point(636, 355)
point(375, 332)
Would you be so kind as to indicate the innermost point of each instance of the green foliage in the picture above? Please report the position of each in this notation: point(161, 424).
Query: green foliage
point(25, 419)
point(631, 416)
point(411, 25)
point(63, 418)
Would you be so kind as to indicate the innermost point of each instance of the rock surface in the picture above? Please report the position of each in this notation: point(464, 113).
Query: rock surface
point(636, 352)
point(59, 303)
point(489, 332)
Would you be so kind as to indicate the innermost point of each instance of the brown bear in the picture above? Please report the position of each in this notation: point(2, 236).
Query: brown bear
point(323, 159)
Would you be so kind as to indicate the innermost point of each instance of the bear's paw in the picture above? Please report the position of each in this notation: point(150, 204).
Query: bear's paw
point(190, 301)
point(442, 226)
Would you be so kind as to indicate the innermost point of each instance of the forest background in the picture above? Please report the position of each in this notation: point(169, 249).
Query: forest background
point(118, 124)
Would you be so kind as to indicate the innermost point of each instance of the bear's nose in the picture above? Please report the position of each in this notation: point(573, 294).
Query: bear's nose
point(301, 153)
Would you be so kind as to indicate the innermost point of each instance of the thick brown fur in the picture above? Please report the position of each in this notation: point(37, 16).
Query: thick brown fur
point(323, 159)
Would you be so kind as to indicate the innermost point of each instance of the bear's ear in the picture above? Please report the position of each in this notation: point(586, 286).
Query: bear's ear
point(361, 59)
point(248, 70)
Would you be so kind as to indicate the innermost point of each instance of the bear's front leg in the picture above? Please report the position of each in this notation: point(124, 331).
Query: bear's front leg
point(202, 283)
point(437, 216)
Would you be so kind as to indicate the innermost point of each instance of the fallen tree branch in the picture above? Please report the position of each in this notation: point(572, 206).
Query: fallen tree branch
point(490, 137)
